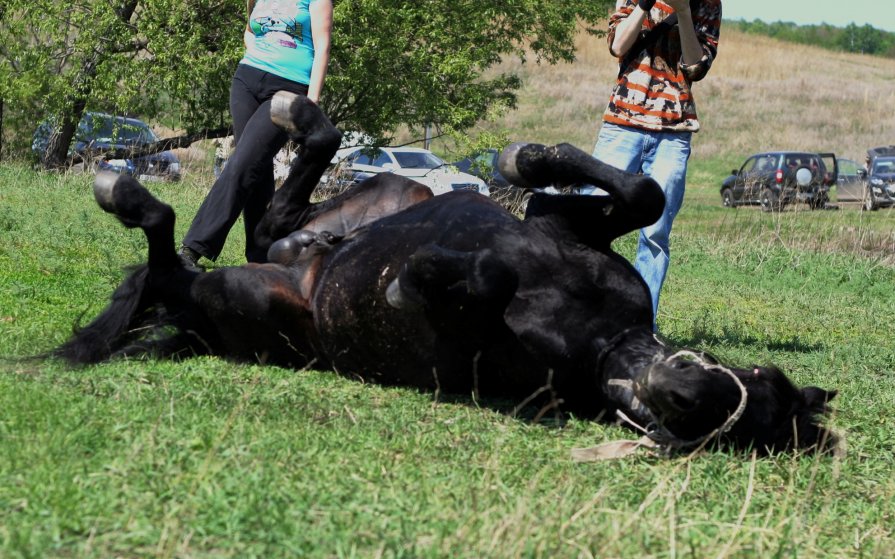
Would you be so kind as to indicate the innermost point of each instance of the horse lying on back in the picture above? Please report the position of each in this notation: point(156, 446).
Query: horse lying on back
point(450, 293)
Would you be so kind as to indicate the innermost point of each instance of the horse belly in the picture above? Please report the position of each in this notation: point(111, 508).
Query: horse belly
point(358, 330)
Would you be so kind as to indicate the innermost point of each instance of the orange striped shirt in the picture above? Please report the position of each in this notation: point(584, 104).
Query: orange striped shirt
point(653, 91)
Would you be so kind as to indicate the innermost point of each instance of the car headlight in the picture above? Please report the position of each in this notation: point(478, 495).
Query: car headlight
point(174, 167)
point(876, 182)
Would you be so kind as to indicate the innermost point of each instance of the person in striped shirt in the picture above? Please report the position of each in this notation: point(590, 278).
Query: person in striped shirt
point(663, 46)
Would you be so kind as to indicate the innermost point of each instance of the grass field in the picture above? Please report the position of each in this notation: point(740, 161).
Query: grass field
point(207, 458)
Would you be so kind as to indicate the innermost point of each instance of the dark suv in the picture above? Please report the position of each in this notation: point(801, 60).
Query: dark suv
point(774, 179)
point(880, 178)
point(100, 132)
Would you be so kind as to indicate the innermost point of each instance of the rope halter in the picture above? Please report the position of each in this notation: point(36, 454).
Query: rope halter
point(657, 437)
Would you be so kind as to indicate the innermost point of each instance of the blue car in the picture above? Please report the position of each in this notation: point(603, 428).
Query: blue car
point(98, 132)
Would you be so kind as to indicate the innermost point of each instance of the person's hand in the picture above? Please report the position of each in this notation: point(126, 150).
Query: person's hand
point(646, 5)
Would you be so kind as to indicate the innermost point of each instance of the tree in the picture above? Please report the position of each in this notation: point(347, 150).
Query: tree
point(864, 39)
point(58, 58)
point(393, 61)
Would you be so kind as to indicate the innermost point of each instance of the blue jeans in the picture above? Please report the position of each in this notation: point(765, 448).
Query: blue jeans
point(662, 156)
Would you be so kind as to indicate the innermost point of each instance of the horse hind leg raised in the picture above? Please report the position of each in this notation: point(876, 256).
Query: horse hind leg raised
point(307, 125)
point(634, 201)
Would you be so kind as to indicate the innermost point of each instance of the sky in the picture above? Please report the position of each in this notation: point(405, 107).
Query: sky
point(878, 13)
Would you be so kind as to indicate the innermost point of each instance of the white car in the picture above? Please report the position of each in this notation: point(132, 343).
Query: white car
point(360, 162)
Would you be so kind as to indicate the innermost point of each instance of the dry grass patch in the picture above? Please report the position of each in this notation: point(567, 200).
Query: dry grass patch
point(762, 94)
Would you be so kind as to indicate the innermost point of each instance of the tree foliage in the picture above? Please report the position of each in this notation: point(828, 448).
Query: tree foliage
point(864, 39)
point(393, 62)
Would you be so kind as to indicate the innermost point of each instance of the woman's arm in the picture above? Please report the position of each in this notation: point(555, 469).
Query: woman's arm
point(321, 33)
point(250, 5)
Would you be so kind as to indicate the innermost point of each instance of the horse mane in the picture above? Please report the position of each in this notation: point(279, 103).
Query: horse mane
point(98, 340)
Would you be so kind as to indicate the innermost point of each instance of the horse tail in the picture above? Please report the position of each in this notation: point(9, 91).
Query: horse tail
point(111, 330)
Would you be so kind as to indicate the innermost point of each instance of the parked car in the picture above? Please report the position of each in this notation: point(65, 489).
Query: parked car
point(851, 183)
point(880, 151)
point(880, 170)
point(354, 164)
point(774, 179)
point(880, 183)
point(98, 132)
point(484, 165)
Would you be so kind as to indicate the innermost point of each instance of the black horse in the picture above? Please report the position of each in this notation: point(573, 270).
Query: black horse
point(452, 294)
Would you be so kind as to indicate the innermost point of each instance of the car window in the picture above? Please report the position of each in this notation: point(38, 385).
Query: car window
point(417, 160)
point(114, 130)
point(485, 160)
point(128, 133)
point(92, 128)
point(361, 157)
point(883, 165)
point(760, 163)
point(796, 162)
point(848, 168)
point(382, 159)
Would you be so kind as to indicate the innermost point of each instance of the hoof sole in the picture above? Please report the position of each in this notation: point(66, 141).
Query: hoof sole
point(509, 166)
point(104, 190)
point(281, 110)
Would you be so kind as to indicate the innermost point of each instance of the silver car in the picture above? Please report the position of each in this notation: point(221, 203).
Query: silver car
point(418, 164)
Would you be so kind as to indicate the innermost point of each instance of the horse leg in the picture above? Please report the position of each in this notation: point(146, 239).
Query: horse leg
point(133, 205)
point(246, 312)
point(634, 201)
point(319, 141)
point(435, 277)
point(331, 220)
point(133, 301)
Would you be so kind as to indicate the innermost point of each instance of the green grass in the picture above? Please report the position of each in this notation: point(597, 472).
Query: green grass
point(207, 458)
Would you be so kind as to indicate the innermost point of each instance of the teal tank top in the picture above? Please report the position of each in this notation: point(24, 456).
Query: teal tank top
point(280, 39)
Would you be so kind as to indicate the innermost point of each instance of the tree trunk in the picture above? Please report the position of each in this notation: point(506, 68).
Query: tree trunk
point(61, 137)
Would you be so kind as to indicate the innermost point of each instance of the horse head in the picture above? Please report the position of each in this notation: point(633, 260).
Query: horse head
point(693, 400)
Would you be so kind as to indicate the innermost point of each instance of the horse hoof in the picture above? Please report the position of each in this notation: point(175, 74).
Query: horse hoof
point(281, 107)
point(304, 237)
point(508, 164)
point(399, 298)
point(393, 295)
point(284, 251)
point(104, 190)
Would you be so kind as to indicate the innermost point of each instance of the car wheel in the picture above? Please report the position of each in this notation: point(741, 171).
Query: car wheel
point(870, 204)
point(819, 202)
point(770, 201)
point(727, 198)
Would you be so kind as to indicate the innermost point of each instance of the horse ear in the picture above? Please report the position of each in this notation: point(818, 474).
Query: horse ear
point(817, 398)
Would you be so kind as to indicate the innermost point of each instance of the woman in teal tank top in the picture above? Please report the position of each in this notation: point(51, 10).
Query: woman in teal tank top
point(287, 48)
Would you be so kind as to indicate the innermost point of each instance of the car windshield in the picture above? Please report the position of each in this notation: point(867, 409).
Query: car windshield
point(884, 165)
point(117, 131)
point(417, 160)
